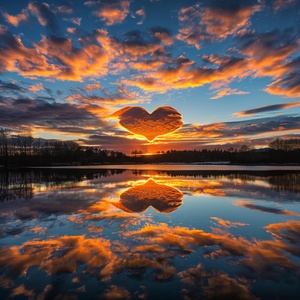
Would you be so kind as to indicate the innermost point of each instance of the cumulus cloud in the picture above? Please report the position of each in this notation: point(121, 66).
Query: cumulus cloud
point(137, 120)
point(163, 35)
point(17, 19)
point(186, 75)
point(216, 21)
point(111, 12)
point(92, 86)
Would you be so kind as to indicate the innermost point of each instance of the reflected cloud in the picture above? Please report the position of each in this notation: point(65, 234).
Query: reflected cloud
point(265, 209)
point(162, 198)
point(213, 285)
point(227, 223)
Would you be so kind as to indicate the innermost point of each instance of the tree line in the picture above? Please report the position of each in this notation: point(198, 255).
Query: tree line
point(24, 150)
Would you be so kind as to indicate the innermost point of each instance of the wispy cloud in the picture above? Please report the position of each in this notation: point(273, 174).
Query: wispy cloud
point(267, 108)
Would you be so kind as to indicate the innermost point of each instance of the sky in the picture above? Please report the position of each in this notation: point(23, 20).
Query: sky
point(151, 75)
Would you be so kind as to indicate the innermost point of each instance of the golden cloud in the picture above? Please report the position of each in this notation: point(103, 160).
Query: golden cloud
point(162, 120)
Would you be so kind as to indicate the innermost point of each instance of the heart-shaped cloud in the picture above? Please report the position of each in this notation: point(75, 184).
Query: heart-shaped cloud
point(137, 120)
point(162, 198)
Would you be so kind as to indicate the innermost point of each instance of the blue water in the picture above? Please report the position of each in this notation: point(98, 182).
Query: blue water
point(211, 232)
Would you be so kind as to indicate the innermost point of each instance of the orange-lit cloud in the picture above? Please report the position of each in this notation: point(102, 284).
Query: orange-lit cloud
point(15, 20)
point(227, 223)
point(35, 88)
point(142, 14)
point(163, 35)
point(227, 92)
point(137, 120)
point(161, 197)
point(114, 292)
point(287, 87)
point(112, 13)
point(92, 86)
point(78, 250)
point(89, 61)
point(185, 76)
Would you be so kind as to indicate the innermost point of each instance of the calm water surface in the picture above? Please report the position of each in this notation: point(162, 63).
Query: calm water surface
point(163, 233)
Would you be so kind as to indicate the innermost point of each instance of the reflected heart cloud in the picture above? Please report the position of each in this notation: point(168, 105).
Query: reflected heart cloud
point(162, 198)
point(137, 120)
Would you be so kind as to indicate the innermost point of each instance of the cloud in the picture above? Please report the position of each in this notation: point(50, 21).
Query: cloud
point(17, 19)
point(40, 114)
point(75, 64)
point(227, 223)
point(45, 15)
point(76, 21)
point(15, 57)
point(92, 253)
point(216, 21)
point(114, 292)
point(288, 87)
point(7, 87)
point(64, 9)
point(142, 14)
point(279, 4)
point(121, 97)
point(227, 92)
point(163, 35)
point(272, 54)
point(111, 12)
point(137, 120)
point(203, 284)
point(270, 210)
point(162, 198)
point(92, 86)
point(185, 75)
point(274, 107)
point(52, 57)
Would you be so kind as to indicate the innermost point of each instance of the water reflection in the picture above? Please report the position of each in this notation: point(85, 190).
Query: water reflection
point(90, 234)
point(161, 197)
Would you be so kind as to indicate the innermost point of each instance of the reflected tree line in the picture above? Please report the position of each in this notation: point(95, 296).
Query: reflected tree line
point(16, 184)
point(20, 150)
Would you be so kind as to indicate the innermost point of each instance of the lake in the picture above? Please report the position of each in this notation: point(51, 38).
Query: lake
point(150, 232)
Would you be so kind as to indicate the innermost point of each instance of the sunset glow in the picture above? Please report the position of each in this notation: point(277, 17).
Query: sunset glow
point(67, 65)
